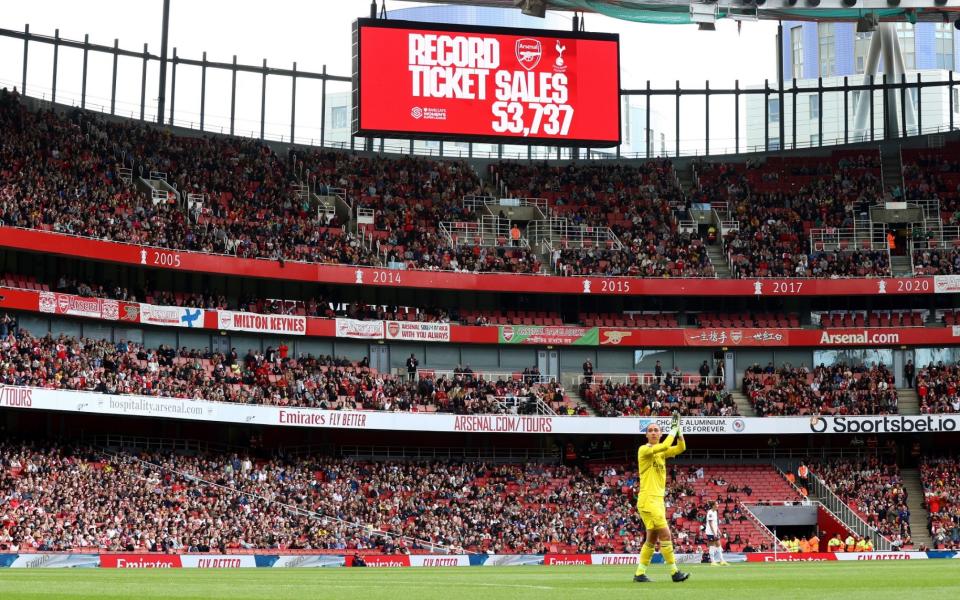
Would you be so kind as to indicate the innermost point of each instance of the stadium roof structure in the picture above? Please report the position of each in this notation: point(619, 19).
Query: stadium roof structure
point(683, 12)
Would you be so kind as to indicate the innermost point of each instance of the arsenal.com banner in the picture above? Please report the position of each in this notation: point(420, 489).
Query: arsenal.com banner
point(417, 332)
point(424, 80)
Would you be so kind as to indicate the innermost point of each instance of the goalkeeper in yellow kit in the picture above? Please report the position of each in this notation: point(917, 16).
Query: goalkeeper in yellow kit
point(653, 482)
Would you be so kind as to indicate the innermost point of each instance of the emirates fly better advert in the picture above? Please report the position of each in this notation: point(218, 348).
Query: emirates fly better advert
point(482, 83)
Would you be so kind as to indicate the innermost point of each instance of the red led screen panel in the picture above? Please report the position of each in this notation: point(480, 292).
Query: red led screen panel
point(516, 86)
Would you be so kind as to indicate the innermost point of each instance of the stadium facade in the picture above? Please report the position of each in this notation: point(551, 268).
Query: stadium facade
point(217, 317)
point(835, 54)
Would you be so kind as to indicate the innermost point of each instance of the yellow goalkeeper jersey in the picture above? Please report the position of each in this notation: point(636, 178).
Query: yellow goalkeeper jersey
point(653, 467)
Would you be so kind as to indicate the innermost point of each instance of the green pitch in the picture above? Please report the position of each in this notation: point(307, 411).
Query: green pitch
point(847, 580)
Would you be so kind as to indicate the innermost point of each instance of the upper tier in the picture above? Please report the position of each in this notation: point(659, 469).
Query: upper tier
point(81, 175)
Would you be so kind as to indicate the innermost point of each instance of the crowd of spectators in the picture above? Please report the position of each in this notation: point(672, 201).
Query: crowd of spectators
point(933, 175)
point(941, 490)
point(776, 202)
point(678, 255)
point(641, 204)
point(691, 396)
point(873, 488)
point(272, 377)
point(61, 172)
point(937, 388)
point(936, 261)
point(57, 497)
point(838, 389)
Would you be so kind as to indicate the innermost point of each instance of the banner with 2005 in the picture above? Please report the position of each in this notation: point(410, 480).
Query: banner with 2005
point(165, 258)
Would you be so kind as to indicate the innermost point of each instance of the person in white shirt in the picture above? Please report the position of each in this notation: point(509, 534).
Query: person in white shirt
point(713, 536)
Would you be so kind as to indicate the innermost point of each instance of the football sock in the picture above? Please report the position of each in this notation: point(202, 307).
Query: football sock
point(719, 554)
point(646, 555)
point(713, 554)
point(666, 548)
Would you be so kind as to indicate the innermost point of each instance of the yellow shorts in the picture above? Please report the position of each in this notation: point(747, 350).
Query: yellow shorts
point(652, 512)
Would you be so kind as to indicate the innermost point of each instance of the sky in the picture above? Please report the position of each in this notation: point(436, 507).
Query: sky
point(317, 33)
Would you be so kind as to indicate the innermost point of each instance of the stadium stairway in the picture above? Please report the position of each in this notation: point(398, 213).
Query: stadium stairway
point(743, 404)
point(907, 401)
point(919, 518)
point(686, 177)
point(900, 266)
point(891, 166)
point(719, 261)
point(573, 394)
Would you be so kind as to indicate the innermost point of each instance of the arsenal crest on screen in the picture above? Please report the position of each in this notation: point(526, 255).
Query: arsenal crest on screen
point(529, 52)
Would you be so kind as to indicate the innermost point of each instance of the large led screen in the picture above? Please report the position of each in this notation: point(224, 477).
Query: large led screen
point(514, 86)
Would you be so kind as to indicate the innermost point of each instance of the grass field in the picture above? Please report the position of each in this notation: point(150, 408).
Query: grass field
point(929, 579)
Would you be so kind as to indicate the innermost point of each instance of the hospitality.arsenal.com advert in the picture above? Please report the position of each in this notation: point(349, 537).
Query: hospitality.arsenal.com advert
point(486, 83)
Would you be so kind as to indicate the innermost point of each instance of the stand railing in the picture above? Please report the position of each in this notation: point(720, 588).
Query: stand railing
point(520, 404)
point(847, 238)
point(929, 87)
point(777, 546)
point(846, 515)
point(560, 235)
point(946, 236)
point(488, 232)
point(491, 205)
point(122, 441)
point(483, 375)
point(646, 379)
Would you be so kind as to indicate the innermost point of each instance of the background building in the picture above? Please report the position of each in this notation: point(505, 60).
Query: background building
point(834, 51)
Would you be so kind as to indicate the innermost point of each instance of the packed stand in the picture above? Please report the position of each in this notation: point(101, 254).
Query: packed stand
point(937, 388)
point(777, 202)
point(873, 488)
point(641, 204)
point(936, 261)
point(62, 173)
point(273, 377)
point(657, 396)
point(222, 503)
point(54, 168)
point(835, 390)
point(941, 490)
point(934, 176)
point(409, 197)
